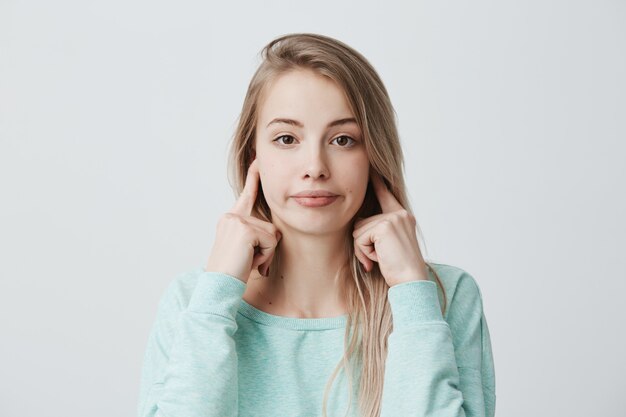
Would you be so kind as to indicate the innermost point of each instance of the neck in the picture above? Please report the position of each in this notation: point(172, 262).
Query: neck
point(309, 279)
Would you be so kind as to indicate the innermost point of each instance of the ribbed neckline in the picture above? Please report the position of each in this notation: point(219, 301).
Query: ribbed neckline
point(293, 323)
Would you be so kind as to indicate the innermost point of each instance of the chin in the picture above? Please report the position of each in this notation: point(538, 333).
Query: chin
point(314, 224)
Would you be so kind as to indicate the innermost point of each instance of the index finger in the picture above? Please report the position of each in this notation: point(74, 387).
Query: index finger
point(244, 204)
point(387, 201)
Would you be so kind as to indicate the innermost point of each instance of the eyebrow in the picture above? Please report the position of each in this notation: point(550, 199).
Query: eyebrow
point(299, 124)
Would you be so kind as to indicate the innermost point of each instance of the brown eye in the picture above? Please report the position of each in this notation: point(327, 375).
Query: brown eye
point(346, 137)
point(284, 136)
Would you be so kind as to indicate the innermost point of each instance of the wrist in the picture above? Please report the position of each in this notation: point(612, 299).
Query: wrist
point(410, 277)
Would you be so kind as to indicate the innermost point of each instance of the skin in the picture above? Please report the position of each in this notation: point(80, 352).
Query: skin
point(310, 157)
point(292, 158)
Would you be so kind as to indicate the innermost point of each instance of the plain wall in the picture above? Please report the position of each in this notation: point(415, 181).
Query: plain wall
point(115, 119)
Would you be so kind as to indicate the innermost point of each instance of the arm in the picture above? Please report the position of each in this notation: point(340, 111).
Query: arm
point(436, 367)
point(190, 363)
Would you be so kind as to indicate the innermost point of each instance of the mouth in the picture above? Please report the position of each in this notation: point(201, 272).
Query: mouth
point(315, 193)
point(308, 201)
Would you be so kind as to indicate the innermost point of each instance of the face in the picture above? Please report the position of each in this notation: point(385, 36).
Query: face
point(317, 150)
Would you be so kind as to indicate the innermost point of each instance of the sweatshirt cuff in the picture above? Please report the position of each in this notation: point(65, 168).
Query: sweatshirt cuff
point(217, 293)
point(414, 302)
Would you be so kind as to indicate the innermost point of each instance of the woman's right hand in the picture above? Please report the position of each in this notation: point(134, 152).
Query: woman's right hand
point(243, 242)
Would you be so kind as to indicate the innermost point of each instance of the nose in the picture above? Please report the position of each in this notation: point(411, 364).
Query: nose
point(316, 163)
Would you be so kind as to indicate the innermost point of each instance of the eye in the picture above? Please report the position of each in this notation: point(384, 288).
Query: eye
point(283, 136)
point(348, 137)
point(338, 137)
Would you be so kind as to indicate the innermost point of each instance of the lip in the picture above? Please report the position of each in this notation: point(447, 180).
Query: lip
point(315, 193)
point(316, 201)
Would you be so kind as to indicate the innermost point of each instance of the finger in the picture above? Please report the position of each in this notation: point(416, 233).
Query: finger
point(387, 201)
point(267, 226)
point(367, 264)
point(266, 243)
point(245, 203)
point(358, 225)
point(265, 265)
point(268, 262)
point(365, 227)
point(362, 222)
point(365, 242)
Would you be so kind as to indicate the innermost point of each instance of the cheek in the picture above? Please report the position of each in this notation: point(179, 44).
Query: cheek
point(355, 187)
point(273, 182)
point(356, 175)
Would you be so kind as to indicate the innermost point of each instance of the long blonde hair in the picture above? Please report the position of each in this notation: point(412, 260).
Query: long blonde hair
point(369, 313)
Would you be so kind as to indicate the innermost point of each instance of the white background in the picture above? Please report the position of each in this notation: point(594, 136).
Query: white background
point(115, 119)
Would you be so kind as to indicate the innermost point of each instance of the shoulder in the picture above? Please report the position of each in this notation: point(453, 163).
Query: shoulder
point(462, 291)
point(178, 291)
point(466, 317)
point(468, 325)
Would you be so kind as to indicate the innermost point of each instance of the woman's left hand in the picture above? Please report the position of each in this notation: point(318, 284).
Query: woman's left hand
point(389, 238)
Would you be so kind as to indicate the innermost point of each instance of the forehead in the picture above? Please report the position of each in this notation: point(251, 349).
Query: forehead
point(305, 95)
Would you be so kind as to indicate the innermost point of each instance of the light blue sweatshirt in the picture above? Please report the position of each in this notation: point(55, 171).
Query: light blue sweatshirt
point(210, 353)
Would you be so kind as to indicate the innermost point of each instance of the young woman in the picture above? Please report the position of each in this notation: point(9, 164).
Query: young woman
point(316, 299)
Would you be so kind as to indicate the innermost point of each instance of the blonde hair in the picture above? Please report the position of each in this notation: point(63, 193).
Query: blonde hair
point(369, 313)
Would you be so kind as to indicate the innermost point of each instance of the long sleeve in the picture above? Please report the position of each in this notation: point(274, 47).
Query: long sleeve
point(190, 362)
point(435, 366)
